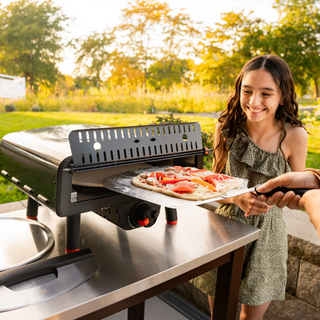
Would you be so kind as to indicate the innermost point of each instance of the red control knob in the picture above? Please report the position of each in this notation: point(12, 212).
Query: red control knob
point(143, 222)
point(144, 214)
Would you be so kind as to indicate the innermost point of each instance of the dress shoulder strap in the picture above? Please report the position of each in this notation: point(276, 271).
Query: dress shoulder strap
point(283, 134)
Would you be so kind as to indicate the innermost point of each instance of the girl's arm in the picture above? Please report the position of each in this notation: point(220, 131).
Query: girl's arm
point(218, 151)
point(295, 145)
point(248, 202)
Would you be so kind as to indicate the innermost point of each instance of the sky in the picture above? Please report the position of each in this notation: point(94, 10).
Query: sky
point(97, 15)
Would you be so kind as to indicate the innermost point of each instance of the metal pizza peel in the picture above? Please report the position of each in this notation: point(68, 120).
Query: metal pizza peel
point(121, 183)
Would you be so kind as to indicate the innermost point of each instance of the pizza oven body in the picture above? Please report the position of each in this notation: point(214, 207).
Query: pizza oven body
point(47, 164)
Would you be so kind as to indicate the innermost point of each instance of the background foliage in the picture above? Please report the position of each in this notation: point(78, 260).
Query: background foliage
point(156, 61)
point(155, 48)
point(30, 41)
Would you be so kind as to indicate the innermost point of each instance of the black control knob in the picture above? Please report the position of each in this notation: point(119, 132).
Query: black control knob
point(144, 215)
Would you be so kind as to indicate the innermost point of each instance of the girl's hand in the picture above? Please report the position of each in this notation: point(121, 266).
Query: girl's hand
point(250, 204)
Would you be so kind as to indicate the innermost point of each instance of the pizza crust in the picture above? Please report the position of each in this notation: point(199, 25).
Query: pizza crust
point(185, 196)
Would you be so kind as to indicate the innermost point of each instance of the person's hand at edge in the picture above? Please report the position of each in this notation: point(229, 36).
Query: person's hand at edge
point(301, 180)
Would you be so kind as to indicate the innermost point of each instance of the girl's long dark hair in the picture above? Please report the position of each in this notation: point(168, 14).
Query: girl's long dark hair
point(233, 117)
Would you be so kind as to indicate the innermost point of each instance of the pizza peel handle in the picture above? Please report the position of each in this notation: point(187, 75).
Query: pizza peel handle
point(237, 192)
point(299, 192)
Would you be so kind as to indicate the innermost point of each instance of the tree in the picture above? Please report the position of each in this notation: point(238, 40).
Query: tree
point(30, 40)
point(179, 33)
point(124, 71)
point(296, 39)
point(141, 21)
point(218, 69)
point(152, 33)
point(165, 73)
point(83, 83)
point(92, 55)
point(179, 36)
point(65, 85)
point(226, 48)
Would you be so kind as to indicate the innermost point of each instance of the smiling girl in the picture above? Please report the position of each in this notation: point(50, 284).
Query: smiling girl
point(259, 137)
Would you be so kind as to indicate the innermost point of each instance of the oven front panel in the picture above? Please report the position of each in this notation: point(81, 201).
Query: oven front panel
point(35, 178)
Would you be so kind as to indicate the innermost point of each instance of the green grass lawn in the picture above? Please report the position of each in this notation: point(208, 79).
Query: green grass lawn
point(313, 158)
point(17, 121)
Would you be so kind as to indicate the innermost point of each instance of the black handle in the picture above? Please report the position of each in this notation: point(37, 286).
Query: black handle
point(40, 268)
point(299, 192)
point(206, 151)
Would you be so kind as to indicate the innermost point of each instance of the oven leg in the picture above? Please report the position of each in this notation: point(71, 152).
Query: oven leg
point(73, 233)
point(171, 216)
point(32, 209)
point(136, 312)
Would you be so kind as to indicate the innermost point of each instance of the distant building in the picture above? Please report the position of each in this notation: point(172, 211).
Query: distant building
point(12, 87)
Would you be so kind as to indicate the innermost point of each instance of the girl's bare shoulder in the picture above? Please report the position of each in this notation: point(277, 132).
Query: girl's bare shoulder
point(296, 136)
point(293, 132)
point(217, 129)
point(218, 125)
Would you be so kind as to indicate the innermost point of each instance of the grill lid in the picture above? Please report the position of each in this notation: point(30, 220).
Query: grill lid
point(48, 144)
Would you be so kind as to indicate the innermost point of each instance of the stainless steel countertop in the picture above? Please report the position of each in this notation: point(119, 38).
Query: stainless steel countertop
point(136, 260)
point(37, 240)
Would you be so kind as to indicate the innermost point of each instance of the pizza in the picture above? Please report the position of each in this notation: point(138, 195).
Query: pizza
point(187, 183)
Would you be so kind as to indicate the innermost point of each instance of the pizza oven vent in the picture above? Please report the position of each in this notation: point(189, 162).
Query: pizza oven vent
point(118, 146)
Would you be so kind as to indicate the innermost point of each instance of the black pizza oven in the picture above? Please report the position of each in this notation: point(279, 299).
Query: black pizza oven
point(62, 168)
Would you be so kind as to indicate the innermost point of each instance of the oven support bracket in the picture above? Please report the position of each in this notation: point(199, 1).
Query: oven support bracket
point(171, 215)
point(73, 233)
point(32, 209)
point(72, 225)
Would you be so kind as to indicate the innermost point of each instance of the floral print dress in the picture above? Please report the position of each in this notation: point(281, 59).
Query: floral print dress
point(264, 273)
